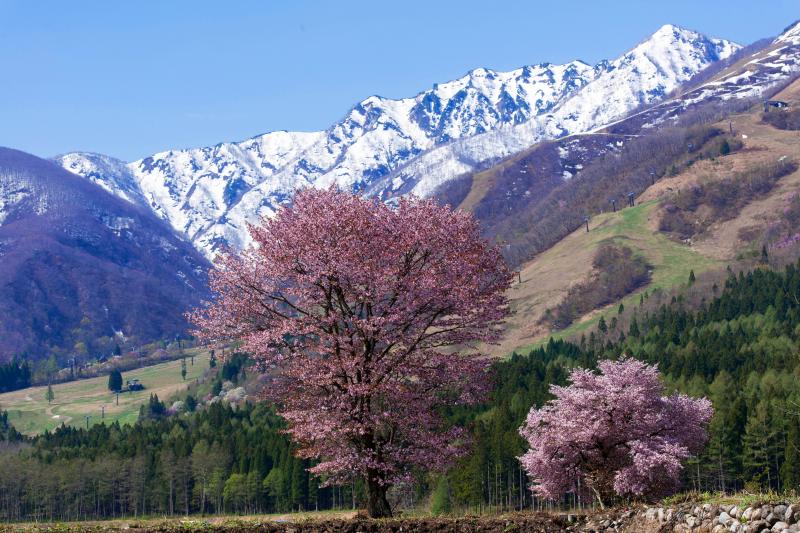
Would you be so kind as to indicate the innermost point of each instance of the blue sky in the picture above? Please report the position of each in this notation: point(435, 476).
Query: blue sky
point(132, 78)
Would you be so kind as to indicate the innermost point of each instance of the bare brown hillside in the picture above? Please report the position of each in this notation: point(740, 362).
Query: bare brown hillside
point(548, 277)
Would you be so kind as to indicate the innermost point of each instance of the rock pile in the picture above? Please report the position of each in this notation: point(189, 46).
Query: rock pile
point(756, 518)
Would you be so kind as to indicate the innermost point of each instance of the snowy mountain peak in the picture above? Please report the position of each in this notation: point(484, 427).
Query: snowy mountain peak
point(388, 147)
point(662, 44)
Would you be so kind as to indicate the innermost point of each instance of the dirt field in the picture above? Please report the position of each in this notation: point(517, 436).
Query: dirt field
point(328, 522)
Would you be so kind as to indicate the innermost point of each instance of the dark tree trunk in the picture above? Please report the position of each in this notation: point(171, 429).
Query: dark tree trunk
point(377, 504)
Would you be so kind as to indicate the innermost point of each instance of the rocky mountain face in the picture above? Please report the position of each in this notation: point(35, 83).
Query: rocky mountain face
point(80, 267)
point(387, 148)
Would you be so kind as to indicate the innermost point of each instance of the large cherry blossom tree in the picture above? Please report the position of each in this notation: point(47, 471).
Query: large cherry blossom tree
point(613, 434)
point(368, 320)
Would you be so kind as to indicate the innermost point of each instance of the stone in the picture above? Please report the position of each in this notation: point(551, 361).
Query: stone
point(735, 512)
point(789, 514)
point(756, 514)
point(771, 518)
point(747, 514)
point(724, 518)
point(780, 526)
point(691, 521)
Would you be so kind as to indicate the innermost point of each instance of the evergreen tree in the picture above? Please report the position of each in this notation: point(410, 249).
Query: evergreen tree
point(633, 330)
point(50, 395)
point(440, 501)
point(790, 471)
point(115, 381)
point(755, 452)
point(191, 403)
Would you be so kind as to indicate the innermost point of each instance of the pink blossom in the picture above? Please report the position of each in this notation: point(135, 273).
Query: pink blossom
point(613, 433)
point(354, 308)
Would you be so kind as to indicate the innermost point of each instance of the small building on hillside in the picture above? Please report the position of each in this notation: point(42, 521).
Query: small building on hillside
point(134, 384)
point(777, 104)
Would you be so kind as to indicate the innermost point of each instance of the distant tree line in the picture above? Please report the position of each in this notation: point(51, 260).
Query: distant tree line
point(217, 460)
point(14, 375)
point(738, 347)
point(7, 432)
point(736, 343)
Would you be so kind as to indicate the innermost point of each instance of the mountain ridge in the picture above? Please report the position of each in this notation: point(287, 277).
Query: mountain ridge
point(211, 193)
point(81, 268)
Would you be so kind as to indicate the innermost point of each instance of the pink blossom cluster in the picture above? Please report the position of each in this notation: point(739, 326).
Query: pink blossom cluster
point(613, 433)
point(353, 308)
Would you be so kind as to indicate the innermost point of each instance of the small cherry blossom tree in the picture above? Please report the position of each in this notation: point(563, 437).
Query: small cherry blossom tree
point(613, 434)
point(355, 309)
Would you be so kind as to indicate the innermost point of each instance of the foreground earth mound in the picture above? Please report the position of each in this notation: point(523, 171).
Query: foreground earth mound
point(689, 517)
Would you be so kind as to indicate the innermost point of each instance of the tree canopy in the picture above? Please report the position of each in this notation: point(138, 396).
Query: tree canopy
point(613, 433)
point(351, 304)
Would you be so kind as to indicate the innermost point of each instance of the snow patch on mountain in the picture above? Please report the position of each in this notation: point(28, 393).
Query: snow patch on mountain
point(109, 173)
point(386, 147)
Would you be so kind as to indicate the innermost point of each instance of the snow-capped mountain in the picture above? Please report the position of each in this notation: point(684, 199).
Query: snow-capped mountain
point(387, 147)
point(753, 75)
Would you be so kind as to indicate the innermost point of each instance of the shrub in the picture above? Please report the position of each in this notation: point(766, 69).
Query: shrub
point(783, 119)
point(440, 500)
point(618, 272)
point(724, 198)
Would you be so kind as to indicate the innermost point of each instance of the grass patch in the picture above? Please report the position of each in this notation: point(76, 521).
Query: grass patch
point(671, 261)
point(30, 413)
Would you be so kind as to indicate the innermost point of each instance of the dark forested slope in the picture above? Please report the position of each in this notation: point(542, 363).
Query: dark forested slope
point(79, 266)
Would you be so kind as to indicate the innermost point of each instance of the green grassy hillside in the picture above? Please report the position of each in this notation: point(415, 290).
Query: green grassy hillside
point(30, 413)
point(546, 278)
